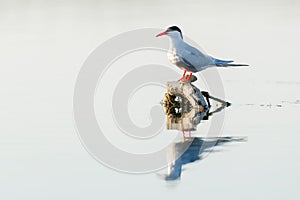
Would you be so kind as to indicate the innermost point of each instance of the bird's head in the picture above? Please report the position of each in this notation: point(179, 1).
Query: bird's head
point(174, 32)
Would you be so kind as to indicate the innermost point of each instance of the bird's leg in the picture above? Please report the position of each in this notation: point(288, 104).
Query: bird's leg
point(183, 76)
point(190, 76)
point(184, 79)
point(183, 134)
point(184, 73)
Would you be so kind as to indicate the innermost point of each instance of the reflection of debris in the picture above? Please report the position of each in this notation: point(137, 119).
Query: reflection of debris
point(176, 105)
point(184, 106)
point(270, 105)
point(224, 104)
point(208, 97)
point(296, 102)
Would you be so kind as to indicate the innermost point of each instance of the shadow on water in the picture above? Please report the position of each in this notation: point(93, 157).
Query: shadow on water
point(186, 106)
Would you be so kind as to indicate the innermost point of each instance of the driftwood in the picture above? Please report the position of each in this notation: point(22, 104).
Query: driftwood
point(184, 106)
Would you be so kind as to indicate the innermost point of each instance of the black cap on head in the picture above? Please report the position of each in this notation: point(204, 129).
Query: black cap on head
point(174, 28)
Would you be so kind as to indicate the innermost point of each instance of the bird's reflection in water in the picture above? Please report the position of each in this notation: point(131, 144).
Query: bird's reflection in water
point(185, 110)
point(191, 150)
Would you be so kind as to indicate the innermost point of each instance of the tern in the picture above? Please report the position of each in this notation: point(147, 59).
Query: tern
point(188, 58)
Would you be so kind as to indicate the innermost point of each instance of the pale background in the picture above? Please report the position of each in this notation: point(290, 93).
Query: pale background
point(44, 44)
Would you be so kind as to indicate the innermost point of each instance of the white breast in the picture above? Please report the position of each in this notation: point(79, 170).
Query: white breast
point(173, 56)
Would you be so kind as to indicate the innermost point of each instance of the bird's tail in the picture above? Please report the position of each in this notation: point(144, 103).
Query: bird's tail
point(231, 65)
point(227, 63)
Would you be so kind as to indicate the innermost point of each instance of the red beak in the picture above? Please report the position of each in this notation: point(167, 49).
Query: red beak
point(161, 34)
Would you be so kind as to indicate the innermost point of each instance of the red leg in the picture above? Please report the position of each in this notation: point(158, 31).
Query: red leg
point(184, 79)
point(190, 76)
point(183, 76)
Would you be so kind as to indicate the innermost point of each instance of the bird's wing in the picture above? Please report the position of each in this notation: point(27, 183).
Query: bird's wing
point(187, 65)
point(195, 58)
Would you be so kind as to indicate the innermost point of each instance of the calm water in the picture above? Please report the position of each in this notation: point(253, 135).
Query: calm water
point(43, 45)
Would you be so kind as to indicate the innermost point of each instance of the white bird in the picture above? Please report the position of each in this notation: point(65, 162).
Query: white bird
point(189, 58)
